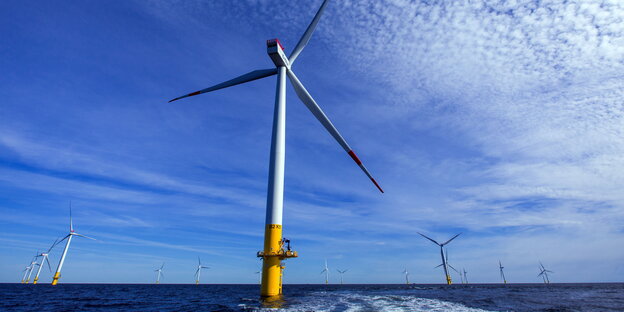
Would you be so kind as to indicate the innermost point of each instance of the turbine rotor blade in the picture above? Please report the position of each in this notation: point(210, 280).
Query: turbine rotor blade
point(64, 238)
point(84, 236)
point(439, 265)
point(448, 241)
point(48, 262)
point(53, 244)
point(450, 266)
point(307, 34)
point(427, 237)
point(309, 102)
point(250, 76)
point(71, 225)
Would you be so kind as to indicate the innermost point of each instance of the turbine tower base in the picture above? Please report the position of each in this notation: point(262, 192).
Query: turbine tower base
point(35, 280)
point(448, 280)
point(56, 277)
point(272, 265)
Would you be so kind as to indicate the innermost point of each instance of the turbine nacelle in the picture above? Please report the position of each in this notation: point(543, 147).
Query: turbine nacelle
point(276, 52)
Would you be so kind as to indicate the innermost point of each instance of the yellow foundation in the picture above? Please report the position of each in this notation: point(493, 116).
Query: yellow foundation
point(273, 254)
point(448, 280)
point(35, 281)
point(56, 277)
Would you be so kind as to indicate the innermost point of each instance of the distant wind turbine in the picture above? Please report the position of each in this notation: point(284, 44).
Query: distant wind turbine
point(44, 258)
point(465, 276)
point(198, 272)
point(502, 274)
point(406, 273)
point(341, 272)
point(160, 272)
point(446, 255)
point(544, 273)
point(260, 279)
point(444, 263)
point(326, 271)
point(26, 269)
point(272, 254)
point(69, 237)
point(29, 269)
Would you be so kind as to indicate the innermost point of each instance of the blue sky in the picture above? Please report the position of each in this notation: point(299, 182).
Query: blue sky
point(500, 121)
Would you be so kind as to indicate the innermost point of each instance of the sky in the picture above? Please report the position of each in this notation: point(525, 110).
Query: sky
point(500, 120)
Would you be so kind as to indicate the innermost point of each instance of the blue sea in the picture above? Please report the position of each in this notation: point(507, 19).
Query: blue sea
point(473, 297)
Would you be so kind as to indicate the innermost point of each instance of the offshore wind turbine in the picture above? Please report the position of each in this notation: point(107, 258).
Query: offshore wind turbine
point(502, 274)
point(159, 270)
point(406, 273)
point(446, 254)
point(198, 272)
point(444, 262)
point(465, 276)
point(32, 268)
point(69, 237)
point(544, 273)
point(341, 272)
point(44, 258)
point(26, 269)
point(326, 271)
point(273, 253)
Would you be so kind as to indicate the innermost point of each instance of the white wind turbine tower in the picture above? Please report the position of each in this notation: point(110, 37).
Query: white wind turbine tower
point(273, 253)
point(326, 271)
point(406, 276)
point(46, 259)
point(160, 272)
point(341, 273)
point(198, 272)
point(69, 237)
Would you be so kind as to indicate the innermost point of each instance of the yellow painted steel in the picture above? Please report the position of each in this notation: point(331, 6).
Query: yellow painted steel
point(56, 277)
point(272, 255)
point(448, 280)
point(35, 281)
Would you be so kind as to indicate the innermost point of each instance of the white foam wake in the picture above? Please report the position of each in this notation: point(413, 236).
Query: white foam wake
point(350, 302)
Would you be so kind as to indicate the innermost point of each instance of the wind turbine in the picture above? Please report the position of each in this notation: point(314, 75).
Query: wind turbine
point(341, 272)
point(465, 276)
point(326, 271)
point(260, 280)
point(69, 237)
point(26, 269)
point(32, 268)
point(273, 253)
point(446, 255)
point(44, 258)
point(198, 272)
point(502, 274)
point(544, 273)
point(406, 276)
point(159, 270)
point(444, 263)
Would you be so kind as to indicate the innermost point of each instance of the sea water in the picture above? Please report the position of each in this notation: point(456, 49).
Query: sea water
point(169, 297)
